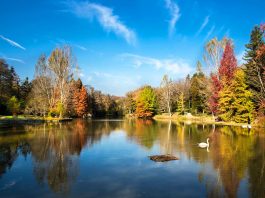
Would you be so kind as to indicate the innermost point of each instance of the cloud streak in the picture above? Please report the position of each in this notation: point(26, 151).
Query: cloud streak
point(81, 47)
point(175, 66)
point(210, 32)
point(13, 43)
point(203, 25)
point(105, 16)
point(175, 15)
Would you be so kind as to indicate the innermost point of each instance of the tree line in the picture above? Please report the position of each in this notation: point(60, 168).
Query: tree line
point(55, 91)
point(225, 89)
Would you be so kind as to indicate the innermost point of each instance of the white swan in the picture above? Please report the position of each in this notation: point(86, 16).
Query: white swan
point(246, 126)
point(203, 144)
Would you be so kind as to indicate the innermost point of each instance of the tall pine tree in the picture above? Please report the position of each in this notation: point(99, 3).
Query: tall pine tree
point(198, 91)
point(253, 67)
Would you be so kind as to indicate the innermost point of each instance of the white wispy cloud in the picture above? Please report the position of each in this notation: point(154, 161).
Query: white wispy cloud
point(210, 32)
point(81, 47)
point(105, 16)
point(175, 66)
point(13, 43)
point(13, 59)
point(203, 25)
point(175, 14)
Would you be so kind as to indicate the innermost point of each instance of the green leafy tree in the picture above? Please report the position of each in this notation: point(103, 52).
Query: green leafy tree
point(235, 103)
point(13, 105)
point(198, 91)
point(146, 103)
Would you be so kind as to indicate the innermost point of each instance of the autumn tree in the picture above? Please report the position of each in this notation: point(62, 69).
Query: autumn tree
point(166, 93)
point(61, 64)
point(82, 106)
point(228, 64)
point(213, 52)
point(42, 96)
point(226, 70)
point(181, 103)
point(215, 88)
point(130, 103)
point(235, 103)
point(146, 104)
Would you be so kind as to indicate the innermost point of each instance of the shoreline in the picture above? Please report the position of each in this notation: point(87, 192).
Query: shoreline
point(30, 120)
point(199, 119)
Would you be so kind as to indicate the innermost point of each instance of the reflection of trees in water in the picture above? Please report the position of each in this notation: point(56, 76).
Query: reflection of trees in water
point(143, 131)
point(53, 155)
point(232, 152)
point(9, 151)
point(8, 154)
point(54, 148)
point(257, 168)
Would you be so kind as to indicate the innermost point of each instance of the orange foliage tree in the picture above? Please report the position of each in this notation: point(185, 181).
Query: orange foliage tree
point(81, 101)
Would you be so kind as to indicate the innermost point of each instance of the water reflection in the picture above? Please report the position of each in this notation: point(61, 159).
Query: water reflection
point(234, 165)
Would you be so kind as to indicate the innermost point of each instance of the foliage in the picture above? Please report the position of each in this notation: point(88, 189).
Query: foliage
point(130, 103)
point(198, 91)
point(228, 64)
point(180, 104)
point(146, 104)
point(215, 88)
point(13, 105)
point(235, 100)
point(254, 68)
point(81, 104)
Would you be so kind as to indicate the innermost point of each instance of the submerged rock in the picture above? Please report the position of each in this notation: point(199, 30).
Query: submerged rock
point(163, 158)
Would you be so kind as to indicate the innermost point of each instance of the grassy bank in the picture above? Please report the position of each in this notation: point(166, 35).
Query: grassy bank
point(24, 118)
point(196, 119)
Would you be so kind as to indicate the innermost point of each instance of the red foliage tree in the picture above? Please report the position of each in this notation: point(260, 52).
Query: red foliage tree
point(228, 64)
point(225, 74)
point(215, 89)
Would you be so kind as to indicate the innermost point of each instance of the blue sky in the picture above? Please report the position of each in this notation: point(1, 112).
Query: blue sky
point(121, 45)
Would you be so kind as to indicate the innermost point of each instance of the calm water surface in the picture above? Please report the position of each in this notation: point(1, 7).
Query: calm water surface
point(109, 158)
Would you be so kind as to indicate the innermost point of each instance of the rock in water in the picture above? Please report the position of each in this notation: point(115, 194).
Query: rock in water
point(162, 158)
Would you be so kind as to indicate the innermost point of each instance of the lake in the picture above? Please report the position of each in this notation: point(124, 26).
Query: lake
point(109, 158)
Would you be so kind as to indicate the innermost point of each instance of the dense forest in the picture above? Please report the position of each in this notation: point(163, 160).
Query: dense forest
point(219, 87)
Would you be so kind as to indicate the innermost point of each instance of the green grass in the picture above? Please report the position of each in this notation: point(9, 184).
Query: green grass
point(29, 117)
point(207, 119)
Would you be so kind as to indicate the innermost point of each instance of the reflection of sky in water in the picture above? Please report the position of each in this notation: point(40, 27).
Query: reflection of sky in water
point(110, 159)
